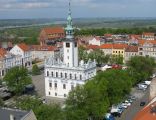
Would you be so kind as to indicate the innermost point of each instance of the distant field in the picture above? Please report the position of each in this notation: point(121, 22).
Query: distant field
point(82, 22)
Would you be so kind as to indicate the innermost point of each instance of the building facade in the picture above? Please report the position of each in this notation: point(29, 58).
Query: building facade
point(41, 53)
point(49, 36)
point(130, 51)
point(24, 51)
point(61, 76)
point(7, 61)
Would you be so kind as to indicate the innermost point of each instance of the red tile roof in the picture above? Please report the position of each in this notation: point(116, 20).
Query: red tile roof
point(113, 46)
point(108, 35)
point(148, 34)
point(2, 52)
point(93, 47)
point(119, 46)
point(23, 46)
point(106, 46)
point(146, 112)
point(131, 49)
point(141, 42)
point(43, 48)
point(53, 30)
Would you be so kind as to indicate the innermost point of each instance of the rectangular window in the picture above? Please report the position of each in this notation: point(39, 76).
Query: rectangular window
point(64, 86)
point(55, 85)
point(72, 87)
point(50, 85)
point(75, 44)
point(67, 44)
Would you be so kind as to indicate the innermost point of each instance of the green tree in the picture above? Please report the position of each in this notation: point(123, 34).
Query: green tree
point(16, 79)
point(141, 68)
point(42, 111)
point(116, 59)
point(88, 101)
point(1, 102)
point(35, 70)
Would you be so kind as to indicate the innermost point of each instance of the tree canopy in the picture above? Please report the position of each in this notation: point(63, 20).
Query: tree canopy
point(141, 68)
point(16, 79)
point(94, 98)
point(35, 70)
point(42, 111)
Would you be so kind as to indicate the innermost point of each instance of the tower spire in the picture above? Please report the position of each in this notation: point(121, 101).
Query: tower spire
point(69, 28)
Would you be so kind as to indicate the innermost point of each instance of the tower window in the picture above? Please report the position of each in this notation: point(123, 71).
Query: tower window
point(67, 44)
point(75, 44)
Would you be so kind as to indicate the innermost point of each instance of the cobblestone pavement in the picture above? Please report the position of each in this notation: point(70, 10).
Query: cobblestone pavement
point(38, 81)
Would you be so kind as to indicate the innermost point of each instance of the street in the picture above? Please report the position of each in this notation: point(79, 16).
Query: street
point(130, 112)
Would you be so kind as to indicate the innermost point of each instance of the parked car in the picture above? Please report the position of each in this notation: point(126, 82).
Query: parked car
point(147, 82)
point(109, 116)
point(142, 103)
point(142, 86)
point(116, 114)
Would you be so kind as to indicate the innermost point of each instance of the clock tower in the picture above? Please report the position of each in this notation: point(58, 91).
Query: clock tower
point(70, 47)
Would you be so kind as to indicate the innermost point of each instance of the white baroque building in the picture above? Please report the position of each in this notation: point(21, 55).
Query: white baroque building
point(61, 76)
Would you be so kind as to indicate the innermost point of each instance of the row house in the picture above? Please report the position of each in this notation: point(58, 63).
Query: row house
point(119, 50)
point(49, 36)
point(149, 36)
point(147, 48)
point(23, 50)
point(43, 52)
point(7, 61)
point(131, 51)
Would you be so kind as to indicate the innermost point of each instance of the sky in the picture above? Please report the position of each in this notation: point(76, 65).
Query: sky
point(20, 9)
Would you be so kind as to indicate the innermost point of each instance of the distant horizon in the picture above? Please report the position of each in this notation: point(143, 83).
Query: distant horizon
point(140, 18)
point(35, 9)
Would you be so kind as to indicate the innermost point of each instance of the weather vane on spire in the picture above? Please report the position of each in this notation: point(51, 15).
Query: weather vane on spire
point(69, 7)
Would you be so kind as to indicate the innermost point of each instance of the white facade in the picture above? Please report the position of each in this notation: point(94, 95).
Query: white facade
point(25, 54)
point(42, 55)
point(9, 61)
point(96, 41)
point(61, 79)
point(61, 76)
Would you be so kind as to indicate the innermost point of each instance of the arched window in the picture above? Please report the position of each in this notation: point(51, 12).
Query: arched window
point(61, 75)
point(80, 77)
point(56, 74)
point(70, 76)
point(75, 77)
point(65, 75)
point(47, 73)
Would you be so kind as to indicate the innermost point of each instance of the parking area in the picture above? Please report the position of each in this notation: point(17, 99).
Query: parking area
point(131, 111)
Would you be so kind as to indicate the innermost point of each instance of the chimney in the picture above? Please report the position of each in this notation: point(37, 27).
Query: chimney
point(12, 117)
